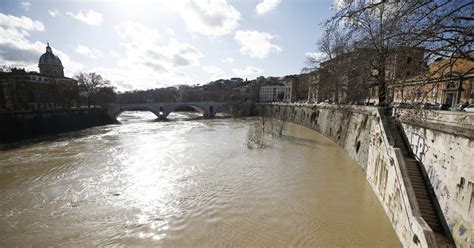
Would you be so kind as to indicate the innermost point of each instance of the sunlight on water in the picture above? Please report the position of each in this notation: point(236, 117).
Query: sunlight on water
point(135, 116)
point(186, 184)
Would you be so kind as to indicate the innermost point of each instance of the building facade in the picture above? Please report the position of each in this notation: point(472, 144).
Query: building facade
point(299, 87)
point(249, 93)
point(48, 89)
point(446, 82)
point(275, 94)
point(350, 77)
point(311, 79)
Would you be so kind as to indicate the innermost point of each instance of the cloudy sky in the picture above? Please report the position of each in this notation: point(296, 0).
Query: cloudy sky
point(141, 44)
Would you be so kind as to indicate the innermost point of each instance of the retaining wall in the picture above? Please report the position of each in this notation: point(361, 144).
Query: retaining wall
point(362, 133)
point(443, 142)
point(23, 125)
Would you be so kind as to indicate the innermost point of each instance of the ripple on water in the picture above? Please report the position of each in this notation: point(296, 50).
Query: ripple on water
point(186, 184)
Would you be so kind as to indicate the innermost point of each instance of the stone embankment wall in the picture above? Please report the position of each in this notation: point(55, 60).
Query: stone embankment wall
point(443, 142)
point(22, 125)
point(362, 133)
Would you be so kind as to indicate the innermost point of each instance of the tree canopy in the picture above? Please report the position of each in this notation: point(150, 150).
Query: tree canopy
point(442, 28)
point(93, 86)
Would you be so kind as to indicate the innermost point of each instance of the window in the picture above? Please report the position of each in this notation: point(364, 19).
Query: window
point(472, 90)
point(451, 85)
point(435, 91)
point(418, 93)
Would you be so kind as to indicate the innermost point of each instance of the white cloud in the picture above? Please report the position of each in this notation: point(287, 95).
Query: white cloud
point(15, 49)
point(170, 31)
point(150, 60)
point(266, 6)
point(228, 60)
point(338, 4)
point(114, 54)
point(247, 71)
point(89, 52)
point(91, 17)
point(209, 17)
point(143, 44)
point(140, 77)
point(216, 72)
point(18, 51)
point(136, 33)
point(26, 5)
point(23, 22)
point(53, 12)
point(316, 56)
point(256, 44)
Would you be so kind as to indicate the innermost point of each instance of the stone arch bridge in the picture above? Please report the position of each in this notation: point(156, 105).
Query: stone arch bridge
point(163, 109)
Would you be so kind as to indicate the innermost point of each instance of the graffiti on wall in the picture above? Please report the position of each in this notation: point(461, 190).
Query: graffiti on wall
point(418, 146)
point(440, 188)
point(462, 231)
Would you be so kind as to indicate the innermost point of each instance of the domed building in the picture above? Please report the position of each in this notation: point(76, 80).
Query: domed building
point(50, 64)
point(49, 89)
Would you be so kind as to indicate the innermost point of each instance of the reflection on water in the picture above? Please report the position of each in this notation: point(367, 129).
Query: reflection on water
point(181, 116)
point(186, 184)
point(134, 116)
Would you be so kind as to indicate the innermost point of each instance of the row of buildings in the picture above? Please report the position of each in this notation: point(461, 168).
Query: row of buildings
point(350, 79)
point(445, 82)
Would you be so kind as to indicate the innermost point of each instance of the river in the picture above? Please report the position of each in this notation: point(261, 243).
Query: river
point(186, 183)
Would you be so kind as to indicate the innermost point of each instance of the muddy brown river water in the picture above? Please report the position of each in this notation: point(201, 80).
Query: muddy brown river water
point(186, 184)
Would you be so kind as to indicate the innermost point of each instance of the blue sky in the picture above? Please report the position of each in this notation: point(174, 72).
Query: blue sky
point(140, 44)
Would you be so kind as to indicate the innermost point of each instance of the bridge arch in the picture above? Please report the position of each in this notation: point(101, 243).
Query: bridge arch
point(205, 113)
point(136, 108)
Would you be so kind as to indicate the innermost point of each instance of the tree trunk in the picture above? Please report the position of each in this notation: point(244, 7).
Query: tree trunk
point(381, 82)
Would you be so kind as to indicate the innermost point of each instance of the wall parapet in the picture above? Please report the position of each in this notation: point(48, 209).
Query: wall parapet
point(452, 122)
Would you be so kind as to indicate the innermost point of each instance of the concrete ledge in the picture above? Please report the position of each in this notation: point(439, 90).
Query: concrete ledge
point(441, 127)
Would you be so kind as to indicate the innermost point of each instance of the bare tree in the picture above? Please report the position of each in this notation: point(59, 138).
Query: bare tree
point(90, 84)
point(444, 28)
point(255, 137)
point(441, 27)
point(5, 68)
point(278, 125)
point(335, 47)
point(372, 24)
point(343, 70)
point(262, 117)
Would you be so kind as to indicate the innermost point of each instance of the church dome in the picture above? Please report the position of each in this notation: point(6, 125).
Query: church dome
point(48, 58)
